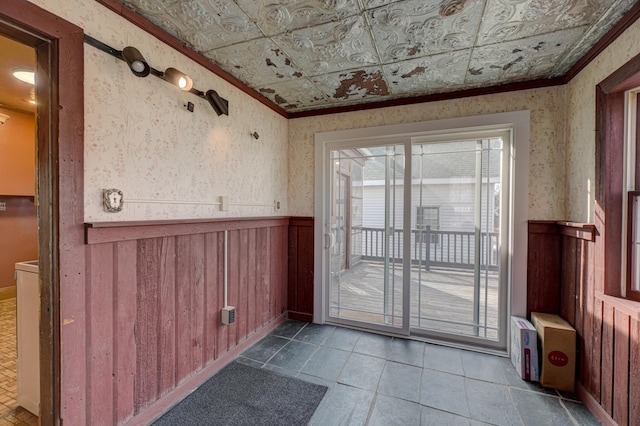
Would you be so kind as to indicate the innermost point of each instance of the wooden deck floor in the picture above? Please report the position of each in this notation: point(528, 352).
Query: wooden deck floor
point(441, 300)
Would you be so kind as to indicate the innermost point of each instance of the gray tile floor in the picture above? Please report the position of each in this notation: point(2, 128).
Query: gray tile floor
point(379, 380)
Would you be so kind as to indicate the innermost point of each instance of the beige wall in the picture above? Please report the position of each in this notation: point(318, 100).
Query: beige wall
point(139, 138)
point(581, 123)
point(546, 153)
point(176, 155)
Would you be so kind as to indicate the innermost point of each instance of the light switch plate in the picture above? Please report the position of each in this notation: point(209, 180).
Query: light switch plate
point(224, 203)
point(113, 200)
point(3, 206)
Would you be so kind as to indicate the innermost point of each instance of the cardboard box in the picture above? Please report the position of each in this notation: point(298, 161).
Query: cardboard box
point(524, 349)
point(558, 351)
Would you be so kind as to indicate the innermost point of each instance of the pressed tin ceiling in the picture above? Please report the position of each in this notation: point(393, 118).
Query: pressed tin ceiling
point(313, 54)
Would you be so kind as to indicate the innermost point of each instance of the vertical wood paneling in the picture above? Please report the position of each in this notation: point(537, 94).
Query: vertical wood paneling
point(305, 270)
point(606, 383)
point(621, 365)
point(596, 350)
point(148, 277)
point(262, 247)
point(167, 312)
point(292, 269)
point(279, 252)
point(164, 295)
point(273, 296)
point(634, 374)
point(253, 296)
point(543, 268)
point(124, 298)
point(568, 279)
point(183, 307)
point(579, 286)
point(234, 282)
point(243, 267)
point(283, 233)
point(223, 334)
point(606, 326)
point(587, 363)
point(197, 312)
point(100, 337)
point(211, 296)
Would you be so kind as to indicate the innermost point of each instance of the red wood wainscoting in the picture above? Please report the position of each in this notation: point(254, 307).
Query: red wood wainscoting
point(153, 298)
point(562, 265)
point(300, 277)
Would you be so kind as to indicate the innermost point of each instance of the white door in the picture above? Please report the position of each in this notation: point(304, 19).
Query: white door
point(415, 234)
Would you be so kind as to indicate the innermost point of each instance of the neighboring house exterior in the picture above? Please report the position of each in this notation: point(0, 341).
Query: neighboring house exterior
point(443, 202)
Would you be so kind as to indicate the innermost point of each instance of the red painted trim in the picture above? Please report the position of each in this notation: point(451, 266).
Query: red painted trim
point(97, 233)
point(621, 26)
point(581, 231)
point(592, 404)
point(512, 87)
point(163, 404)
point(300, 316)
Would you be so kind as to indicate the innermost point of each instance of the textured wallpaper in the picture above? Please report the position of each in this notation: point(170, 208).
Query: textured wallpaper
point(546, 156)
point(140, 139)
point(581, 102)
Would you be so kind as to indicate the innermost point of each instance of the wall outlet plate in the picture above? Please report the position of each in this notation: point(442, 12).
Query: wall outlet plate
point(112, 200)
point(228, 315)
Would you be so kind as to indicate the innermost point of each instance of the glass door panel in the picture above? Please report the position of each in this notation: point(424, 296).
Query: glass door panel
point(366, 238)
point(457, 225)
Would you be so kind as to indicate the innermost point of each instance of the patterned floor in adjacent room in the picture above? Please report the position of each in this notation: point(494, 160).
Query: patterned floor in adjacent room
point(10, 412)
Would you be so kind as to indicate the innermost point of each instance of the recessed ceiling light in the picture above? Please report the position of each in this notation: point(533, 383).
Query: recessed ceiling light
point(25, 74)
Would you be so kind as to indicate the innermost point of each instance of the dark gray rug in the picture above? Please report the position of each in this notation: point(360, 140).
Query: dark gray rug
point(243, 395)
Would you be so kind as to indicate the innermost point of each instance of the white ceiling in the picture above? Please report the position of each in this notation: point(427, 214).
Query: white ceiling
point(15, 94)
point(313, 54)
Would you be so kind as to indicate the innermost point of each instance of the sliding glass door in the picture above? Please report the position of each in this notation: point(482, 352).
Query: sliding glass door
point(415, 233)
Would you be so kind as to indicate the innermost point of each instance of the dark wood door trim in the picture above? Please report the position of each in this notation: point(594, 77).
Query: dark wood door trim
point(60, 126)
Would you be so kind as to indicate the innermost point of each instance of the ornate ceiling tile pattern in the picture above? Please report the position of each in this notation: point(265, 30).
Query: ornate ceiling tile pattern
point(416, 28)
point(256, 62)
point(312, 54)
point(425, 74)
point(203, 24)
point(330, 47)
point(276, 17)
point(520, 60)
point(516, 19)
point(293, 94)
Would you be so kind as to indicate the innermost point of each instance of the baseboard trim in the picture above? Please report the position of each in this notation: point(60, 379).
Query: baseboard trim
point(8, 292)
point(300, 316)
point(592, 404)
point(165, 403)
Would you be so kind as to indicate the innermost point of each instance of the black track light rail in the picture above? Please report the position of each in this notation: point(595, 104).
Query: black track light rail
point(219, 104)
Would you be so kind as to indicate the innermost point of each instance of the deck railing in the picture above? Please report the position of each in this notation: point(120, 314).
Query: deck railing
point(431, 248)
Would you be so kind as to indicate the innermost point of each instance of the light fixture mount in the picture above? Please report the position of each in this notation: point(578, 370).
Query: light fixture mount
point(141, 68)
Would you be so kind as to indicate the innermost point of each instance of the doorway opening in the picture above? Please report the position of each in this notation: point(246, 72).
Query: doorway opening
point(416, 232)
point(19, 295)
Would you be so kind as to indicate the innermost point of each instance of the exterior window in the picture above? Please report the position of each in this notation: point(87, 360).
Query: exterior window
point(428, 217)
point(633, 247)
point(631, 219)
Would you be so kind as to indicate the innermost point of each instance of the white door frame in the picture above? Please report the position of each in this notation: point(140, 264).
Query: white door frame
point(518, 121)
